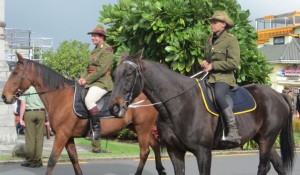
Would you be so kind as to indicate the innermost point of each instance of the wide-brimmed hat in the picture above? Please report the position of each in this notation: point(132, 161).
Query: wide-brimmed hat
point(222, 16)
point(99, 29)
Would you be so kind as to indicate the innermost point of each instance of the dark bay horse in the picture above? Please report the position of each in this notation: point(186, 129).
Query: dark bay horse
point(56, 93)
point(185, 125)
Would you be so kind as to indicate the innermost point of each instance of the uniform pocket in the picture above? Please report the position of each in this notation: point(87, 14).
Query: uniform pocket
point(218, 54)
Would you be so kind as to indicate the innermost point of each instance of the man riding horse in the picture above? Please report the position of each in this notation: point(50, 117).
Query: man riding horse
point(96, 77)
point(222, 57)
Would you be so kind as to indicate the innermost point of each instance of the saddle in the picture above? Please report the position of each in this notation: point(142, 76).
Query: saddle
point(241, 100)
point(79, 106)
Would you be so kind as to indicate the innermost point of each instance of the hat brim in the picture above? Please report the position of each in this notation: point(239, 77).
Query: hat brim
point(229, 21)
point(90, 33)
point(97, 31)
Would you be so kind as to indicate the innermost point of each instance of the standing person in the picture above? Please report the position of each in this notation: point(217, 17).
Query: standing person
point(298, 103)
point(32, 117)
point(97, 77)
point(222, 57)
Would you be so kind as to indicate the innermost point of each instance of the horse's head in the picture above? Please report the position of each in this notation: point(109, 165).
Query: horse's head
point(17, 82)
point(128, 83)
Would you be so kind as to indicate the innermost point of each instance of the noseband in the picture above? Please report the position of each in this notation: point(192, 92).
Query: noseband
point(137, 74)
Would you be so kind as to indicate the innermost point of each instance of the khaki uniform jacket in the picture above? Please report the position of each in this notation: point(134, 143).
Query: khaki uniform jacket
point(98, 69)
point(224, 55)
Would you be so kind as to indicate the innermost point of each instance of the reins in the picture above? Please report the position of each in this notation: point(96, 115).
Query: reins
point(137, 104)
point(17, 94)
point(44, 92)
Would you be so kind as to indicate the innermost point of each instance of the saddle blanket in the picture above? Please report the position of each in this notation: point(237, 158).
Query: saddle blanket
point(243, 101)
point(80, 109)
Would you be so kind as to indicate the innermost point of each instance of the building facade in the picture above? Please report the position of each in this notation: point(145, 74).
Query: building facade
point(278, 40)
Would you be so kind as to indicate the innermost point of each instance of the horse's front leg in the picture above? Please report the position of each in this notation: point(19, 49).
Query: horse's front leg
point(177, 158)
point(60, 141)
point(203, 156)
point(71, 149)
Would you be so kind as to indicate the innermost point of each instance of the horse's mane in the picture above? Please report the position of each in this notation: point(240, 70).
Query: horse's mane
point(51, 79)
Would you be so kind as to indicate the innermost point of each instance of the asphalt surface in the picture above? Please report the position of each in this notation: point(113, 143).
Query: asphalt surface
point(7, 149)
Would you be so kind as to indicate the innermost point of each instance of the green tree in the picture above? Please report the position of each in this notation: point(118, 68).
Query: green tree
point(174, 32)
point(70, 59)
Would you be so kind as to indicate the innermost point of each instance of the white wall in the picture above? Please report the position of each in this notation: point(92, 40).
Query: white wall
point(8, 133)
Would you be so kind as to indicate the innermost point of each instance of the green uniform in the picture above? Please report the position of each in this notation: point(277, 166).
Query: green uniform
point(97, 72)
point(224, 54)
point(96, 145)
point(34, 118)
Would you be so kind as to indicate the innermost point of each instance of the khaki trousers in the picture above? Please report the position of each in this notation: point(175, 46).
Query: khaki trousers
point(94, 94)
point(34, 135)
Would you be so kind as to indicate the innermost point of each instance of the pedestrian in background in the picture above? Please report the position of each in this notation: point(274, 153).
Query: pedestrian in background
point(298, 104)
point(32, 117)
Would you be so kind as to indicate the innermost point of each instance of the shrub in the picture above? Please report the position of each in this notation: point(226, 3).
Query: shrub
point(127, 135)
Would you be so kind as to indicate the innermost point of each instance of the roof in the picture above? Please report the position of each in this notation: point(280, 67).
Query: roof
point(284, 53)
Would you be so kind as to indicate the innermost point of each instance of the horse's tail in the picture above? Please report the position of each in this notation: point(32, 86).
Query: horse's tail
point(287, 145)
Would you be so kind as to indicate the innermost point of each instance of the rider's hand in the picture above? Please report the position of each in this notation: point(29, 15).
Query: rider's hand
point(206, 66)
point(82, 81)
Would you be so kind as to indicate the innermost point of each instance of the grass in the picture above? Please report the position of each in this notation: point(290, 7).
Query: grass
point(115, 148)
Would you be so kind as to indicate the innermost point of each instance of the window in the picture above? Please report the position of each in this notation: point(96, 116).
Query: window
point(278, 40)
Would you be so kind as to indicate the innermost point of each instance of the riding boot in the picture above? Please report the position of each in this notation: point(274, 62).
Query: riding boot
point(233, 135)
point(94, 112)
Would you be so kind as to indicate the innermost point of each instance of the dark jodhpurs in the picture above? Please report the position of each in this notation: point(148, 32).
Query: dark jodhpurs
point(221, 90)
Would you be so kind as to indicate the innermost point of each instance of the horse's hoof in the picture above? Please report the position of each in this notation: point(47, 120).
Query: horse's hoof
point(101, 151)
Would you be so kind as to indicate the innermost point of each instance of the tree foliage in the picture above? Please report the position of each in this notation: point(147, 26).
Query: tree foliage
point(174, 32)
point(70, 59)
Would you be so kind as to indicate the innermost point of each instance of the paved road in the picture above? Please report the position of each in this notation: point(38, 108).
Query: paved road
point(230, 164)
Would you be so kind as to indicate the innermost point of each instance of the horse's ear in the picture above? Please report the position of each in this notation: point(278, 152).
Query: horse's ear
point(139, 54)
point(20, 58)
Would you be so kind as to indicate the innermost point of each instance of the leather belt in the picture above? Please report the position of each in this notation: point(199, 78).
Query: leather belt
point(34, 109)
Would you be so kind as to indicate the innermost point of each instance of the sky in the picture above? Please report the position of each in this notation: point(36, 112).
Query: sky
point(72, 19)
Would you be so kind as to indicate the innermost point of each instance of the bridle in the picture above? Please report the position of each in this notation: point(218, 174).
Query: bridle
point(137, 75)
point(24, 74)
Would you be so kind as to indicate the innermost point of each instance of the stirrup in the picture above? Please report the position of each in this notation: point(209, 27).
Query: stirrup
point(95, 136)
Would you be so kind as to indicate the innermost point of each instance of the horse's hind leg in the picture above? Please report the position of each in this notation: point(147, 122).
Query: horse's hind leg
point(143, 138)
point(71, 149)
point(277, 162)
point(156, 148)
point(265, 147)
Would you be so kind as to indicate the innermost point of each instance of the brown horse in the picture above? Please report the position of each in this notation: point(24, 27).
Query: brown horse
point(184, 123)
point(56, 93)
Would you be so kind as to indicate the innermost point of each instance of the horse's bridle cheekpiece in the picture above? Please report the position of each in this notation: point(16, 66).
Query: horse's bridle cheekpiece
point(137, 74)
point(24, 74)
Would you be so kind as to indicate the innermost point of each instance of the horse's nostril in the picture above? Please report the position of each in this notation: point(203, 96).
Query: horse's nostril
point(3, 98)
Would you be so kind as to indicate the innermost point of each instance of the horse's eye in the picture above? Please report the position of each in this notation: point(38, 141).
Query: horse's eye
point(129, 74)
point(15, 73)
